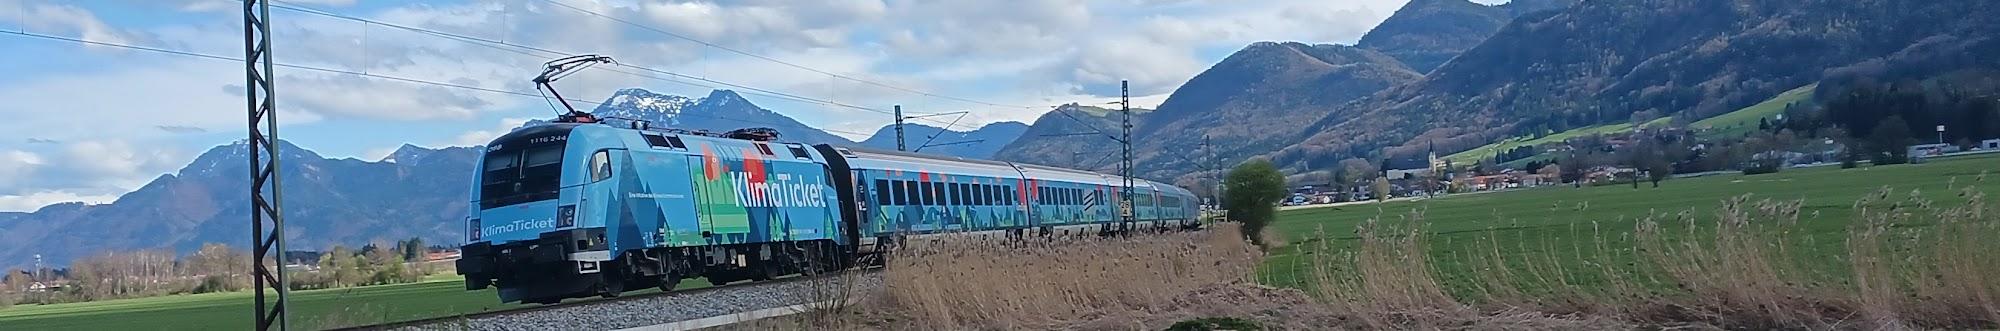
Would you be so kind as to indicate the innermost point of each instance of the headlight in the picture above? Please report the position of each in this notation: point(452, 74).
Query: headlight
point(472, 233)
point(566, 216)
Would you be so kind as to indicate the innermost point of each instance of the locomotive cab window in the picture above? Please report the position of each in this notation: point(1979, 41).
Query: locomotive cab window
point(600, 166)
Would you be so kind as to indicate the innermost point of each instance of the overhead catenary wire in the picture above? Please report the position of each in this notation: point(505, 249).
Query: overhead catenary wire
point(343, 72)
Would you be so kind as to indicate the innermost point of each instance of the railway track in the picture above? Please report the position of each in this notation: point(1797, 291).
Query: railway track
point(636, 310)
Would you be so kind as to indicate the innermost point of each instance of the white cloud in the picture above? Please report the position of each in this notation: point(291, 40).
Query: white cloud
point(37, 200)
point(481, 137)
point(226, 5)
point(66, 20)
point(1034, 53)
point(94, 171)
point(16, 166)
point(114, 166)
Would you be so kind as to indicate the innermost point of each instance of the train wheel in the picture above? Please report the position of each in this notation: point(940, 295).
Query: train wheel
point(669, 282)
point(611, 290)
point(477, 283)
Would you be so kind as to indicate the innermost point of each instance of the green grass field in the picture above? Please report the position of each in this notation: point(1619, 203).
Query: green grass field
point(1564, 216)
point(1741, 121)
point(440, 295)
point(1473, 156)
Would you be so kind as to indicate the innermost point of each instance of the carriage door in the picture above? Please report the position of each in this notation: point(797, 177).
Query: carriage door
point(604, 200)
point(709, 189)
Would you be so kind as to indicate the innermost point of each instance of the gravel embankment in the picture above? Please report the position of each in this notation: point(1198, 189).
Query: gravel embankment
point(661, 309)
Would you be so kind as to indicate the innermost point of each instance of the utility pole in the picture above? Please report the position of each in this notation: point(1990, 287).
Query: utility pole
point(263, 142)
point(1125, 140)
point(1215, 167)
point(899, 128)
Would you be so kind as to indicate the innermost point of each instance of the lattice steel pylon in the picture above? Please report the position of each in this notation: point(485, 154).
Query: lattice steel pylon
point(263, 144)
point(1125, 144)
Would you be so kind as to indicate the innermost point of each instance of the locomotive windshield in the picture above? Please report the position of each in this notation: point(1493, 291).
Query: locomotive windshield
point(521, 176)
point(523, 166)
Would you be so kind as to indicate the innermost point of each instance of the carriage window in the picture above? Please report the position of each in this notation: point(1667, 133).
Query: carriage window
point(985, 195)
point(882, 192)
point(928, 194)
point(965, 194)
point(676, 142)
point(955, 194)
point(951, 194)
point(1006, 195)
point(936, 194)
point(900, 193)
point(600, 166)
point(908, 196)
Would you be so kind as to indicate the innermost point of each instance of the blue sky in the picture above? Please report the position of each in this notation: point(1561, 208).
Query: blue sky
point(88, 123)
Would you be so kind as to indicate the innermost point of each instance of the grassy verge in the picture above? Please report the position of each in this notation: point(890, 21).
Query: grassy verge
point(438, 295)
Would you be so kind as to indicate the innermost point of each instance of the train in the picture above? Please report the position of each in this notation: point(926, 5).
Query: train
point(575, 209)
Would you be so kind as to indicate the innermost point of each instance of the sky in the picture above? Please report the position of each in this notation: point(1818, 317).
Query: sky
point(89, 122)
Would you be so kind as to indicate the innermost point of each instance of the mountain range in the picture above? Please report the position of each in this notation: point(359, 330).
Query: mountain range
point(412, 192)
point(1601, 61)
point(416, 192)
point(1446, 73)
point(1426, 33)
point(980, 143)
point(1071, 136)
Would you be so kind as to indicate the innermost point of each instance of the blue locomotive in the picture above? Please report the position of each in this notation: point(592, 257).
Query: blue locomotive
point(566, 210)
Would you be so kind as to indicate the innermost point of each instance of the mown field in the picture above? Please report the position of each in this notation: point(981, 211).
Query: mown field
point(440, 295)
point(1743, 121)
point(1566, 225)
point(1730, 125)
point(1473, 156)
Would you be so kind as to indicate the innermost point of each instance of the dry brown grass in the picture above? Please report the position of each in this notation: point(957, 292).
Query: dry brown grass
point(1035, 283)
point(1143, 281)
point(1902, 263)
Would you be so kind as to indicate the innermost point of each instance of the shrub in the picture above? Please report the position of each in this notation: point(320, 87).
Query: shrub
point(1254, 190)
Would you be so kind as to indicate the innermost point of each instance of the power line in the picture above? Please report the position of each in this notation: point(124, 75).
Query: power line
point(773, 60)
point(351, 72)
